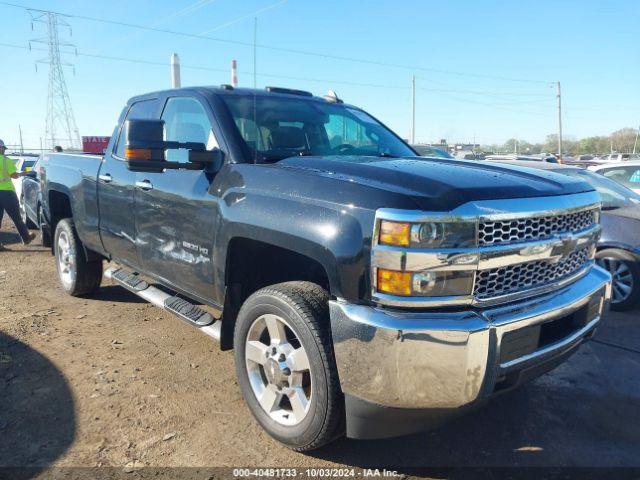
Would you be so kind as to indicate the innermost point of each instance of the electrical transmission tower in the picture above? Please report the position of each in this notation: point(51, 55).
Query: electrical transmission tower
point(60, 124)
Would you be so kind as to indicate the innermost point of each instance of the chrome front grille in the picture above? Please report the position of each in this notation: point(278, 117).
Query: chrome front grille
point(503, 281)
point(534, 228)
point(523, 247)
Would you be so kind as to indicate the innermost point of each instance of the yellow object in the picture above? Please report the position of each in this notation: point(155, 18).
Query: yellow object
point(137, 154)
point(395, 233)
point(7, 168)
point(393, 282)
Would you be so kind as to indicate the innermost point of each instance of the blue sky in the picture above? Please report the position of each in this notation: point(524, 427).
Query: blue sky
point(455, 49)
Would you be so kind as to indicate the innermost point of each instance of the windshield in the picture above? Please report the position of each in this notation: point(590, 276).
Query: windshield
point(274, 128)
point(613, 195)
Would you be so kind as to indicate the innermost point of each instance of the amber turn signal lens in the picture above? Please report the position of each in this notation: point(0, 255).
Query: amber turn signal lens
point(137, 153)
point(395, 233)
point(393, 282)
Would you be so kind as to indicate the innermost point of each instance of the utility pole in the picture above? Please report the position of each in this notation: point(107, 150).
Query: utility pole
point(559, 95)
point(413, 110)
point(255, 51)
point(175, 71)
point(60, 124)
point(234, 74)
point(635, 144)
point(21, 144)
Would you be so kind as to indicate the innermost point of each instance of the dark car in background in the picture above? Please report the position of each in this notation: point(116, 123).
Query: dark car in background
point(619, 247)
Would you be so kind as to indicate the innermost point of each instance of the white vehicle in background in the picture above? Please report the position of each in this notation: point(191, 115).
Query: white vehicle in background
point(616, 158)
point(625, 173)
point(24, 163)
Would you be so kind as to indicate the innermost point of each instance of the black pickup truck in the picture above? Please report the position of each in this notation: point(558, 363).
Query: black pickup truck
point(364, 290)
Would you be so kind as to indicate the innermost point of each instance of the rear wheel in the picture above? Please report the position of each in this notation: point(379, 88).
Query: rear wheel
point(625, 272)
point(285, 364)
point(78, 275)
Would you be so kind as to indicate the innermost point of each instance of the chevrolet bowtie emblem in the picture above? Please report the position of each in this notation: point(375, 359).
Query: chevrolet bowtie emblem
point(565, 246)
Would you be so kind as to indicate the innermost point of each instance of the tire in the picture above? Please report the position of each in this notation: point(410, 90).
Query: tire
point(304, 310)
point(45, 233)
point(25, 218)
point(625, 270)
point(78, 276)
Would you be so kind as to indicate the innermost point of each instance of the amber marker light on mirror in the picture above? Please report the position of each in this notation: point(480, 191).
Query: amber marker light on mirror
point(137, 153)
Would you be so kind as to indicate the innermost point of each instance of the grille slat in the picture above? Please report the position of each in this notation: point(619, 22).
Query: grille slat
point(536, 228)
point(503, 281)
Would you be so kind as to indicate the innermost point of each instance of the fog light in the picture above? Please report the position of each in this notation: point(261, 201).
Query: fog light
point(425, 284)
point(394, 282)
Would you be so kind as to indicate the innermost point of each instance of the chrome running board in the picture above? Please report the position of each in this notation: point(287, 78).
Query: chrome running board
point(179, 307)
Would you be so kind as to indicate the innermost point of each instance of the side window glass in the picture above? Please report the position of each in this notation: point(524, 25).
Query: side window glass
point(146, 109)
point(186, 121)
point(345, 130)
point(635, 176)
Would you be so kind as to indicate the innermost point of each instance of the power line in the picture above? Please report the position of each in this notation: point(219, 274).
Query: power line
point(213, 69)
point(283, 49)
point(500, 94)
point(243, 17)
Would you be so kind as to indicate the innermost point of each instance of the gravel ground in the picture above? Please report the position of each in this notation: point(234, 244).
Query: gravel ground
point(113, 381)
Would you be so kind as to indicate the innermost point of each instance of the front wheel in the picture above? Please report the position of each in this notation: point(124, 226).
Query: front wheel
point(625, 273)
point(286, 367)
point(78, 275)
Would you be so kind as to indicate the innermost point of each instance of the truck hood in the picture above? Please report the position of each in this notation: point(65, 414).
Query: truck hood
point(439, 184)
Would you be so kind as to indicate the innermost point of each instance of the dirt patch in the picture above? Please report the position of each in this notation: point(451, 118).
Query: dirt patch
point(113, 381)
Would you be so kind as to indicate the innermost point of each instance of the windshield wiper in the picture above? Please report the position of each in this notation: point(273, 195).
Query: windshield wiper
point(387, 155)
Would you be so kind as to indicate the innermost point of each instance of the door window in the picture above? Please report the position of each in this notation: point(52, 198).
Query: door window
point(186, 121)
point(143, 110)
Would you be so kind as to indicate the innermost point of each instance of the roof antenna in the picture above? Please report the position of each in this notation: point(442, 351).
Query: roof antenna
point(332, 97)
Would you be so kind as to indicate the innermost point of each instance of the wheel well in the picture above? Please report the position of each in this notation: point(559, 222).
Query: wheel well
point(59, 208)
point(252, 265)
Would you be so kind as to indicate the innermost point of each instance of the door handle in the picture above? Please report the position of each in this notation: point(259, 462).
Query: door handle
point(144, 185)
point(106, 177)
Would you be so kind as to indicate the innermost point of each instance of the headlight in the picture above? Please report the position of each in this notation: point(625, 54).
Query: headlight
point(428, 234)
point(424, 284)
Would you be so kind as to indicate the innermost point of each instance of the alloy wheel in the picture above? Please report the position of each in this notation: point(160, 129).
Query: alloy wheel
point(622, 286)
point(278, 369)
point(66, 259)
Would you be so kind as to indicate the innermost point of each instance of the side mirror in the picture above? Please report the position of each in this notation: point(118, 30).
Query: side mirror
point(144, 145)
point(211, 160)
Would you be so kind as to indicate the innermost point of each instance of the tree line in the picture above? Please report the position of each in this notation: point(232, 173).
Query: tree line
point(620, 141)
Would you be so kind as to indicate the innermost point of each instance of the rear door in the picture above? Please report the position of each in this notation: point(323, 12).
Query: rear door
point(30, 190)
point(116, 192)
point(175, 212)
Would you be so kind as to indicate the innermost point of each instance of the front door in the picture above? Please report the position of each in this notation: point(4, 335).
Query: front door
point(175, 213)
point(116, 194)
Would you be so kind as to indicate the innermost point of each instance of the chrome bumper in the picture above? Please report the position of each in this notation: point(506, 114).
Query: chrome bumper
point(445, 360)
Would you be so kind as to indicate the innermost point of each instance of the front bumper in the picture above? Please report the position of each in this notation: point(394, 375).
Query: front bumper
point(392, 362)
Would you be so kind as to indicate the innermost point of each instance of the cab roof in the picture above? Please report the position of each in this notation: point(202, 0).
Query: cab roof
point(228, 90)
